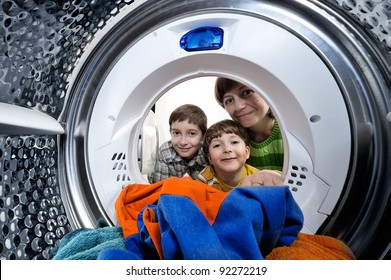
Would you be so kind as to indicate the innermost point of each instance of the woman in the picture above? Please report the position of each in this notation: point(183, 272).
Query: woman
point(248, 109)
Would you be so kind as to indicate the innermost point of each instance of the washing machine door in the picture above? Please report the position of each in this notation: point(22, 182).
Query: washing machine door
point(79, 79)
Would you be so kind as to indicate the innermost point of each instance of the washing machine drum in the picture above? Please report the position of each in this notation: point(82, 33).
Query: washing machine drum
point(78, 81)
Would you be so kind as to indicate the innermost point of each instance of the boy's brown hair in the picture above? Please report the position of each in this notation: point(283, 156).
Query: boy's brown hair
point(223, 85)
point(191, 113)
point(221, 127)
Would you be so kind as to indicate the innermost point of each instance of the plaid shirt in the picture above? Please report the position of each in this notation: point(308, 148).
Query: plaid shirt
point(170, 163)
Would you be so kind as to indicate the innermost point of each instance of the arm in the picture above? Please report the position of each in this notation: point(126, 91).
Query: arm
point(264, 178)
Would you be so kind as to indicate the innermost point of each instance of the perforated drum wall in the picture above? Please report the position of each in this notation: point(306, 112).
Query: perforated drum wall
point(40, 44)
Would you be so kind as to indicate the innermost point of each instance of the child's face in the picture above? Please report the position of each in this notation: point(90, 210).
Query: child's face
point(245, 106)
point(186, 138)
point(228, 153)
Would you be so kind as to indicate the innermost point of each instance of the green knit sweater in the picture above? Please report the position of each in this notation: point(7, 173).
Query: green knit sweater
point(270, 153)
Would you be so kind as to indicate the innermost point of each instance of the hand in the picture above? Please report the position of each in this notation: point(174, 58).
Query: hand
point(263, 178)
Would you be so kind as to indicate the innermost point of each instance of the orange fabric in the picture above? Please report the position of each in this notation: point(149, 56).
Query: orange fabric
point(134, 197)
point(313, 247)
point(129, 203)
point(153, 228)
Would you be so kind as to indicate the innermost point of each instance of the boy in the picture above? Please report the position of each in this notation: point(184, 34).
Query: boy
point(226, 145)
point(182, 155)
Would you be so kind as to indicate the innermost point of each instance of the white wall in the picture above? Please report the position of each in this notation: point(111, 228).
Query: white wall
point(198, 91)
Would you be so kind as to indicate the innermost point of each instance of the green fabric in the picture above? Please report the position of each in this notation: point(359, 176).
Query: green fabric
point(270, 153)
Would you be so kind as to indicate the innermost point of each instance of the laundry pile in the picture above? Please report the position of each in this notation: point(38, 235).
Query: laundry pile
point(180, 218)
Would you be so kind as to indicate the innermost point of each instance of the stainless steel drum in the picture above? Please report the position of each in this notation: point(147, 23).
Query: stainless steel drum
point(78, 79)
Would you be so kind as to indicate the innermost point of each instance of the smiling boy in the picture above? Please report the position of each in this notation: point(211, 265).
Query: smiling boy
point(183, 153)
point(226, 146)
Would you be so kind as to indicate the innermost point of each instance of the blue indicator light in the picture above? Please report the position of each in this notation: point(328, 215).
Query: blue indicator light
point(202, 39)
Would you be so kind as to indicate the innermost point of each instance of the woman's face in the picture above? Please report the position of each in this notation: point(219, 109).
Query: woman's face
point(245, 106)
